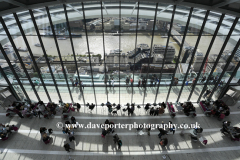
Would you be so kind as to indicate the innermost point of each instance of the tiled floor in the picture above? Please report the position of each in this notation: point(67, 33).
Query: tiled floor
point(27, 144)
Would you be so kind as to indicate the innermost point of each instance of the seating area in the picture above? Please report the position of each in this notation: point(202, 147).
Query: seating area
point(217, 109)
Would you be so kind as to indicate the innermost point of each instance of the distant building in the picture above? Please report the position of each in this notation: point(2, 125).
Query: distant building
point(160, 49)
point(6, 68)
point(10, 54)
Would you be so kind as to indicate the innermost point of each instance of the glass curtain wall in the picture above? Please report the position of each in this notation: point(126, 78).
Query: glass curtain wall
point(115, 51)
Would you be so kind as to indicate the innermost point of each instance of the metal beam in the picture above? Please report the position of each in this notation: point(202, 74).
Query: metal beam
point(207, 53)
point(170, 2)
point(104, 7)
point(135, 49)
point(134, 7)
point(13, 71)
point(224, 90)
point(44, 52)
point(219, 56)
point(58, 51)
point(165, 9)
point(12, 90)
point(104, 51)
point(193, 53)
point(180, 51)
point(165, 52)
point(73, 8)
point(154, 24)
point(18, 56)
point(31, 55)
point(73, 50)
point(44, 12)
point(119, 55)
point(16, 3)
point(89, 56)
point(226, 2)
point(225, 68)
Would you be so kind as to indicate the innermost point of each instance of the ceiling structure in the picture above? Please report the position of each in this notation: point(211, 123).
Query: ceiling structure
point(231, 7)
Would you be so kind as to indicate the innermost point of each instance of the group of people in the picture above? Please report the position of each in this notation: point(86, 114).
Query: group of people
point(75, 83)
point(157, 111)
point(220, 109)
point(69, 132)
point(234, 132)
point(45, 133)
point(31, 109)
point(109, 128)
point(6, 130)
point(188, 108)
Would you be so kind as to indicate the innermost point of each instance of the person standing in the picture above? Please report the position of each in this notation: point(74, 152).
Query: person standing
point(149, 129)
point(208, 91)
point(38, 110)
point(151, 82)
point(139, 83)
point(173, 128)
point(115, 138)
point(67, 147)
point(78, 107)
point(143, 82)
point(71, 136)
point(193, 82)
point(81, 85)
point(71, 79)
point(112, 82)
point(76, 82)
point(215, 79)
point(155, 80)
point(176, 81)
point(131, 80)
point(36, 82)
point(156, 112)
point(127, 81)
point(109, 82)
point(188, 79)
point(203, 79)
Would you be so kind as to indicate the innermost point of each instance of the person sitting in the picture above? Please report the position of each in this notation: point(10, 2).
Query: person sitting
point(73, 120)
point(65, 130)
point(147, 106)
point(186, 110)
point(213, 112)
point(46, 138)
point(107, 121)
point(152, 111)
point(109, 108)
point(43, 129)
point(3, 135)
point(91, 106)
point(118, 107)
point(161, 110)
point(164, 142)
point(156, 112)
point(163, 105)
